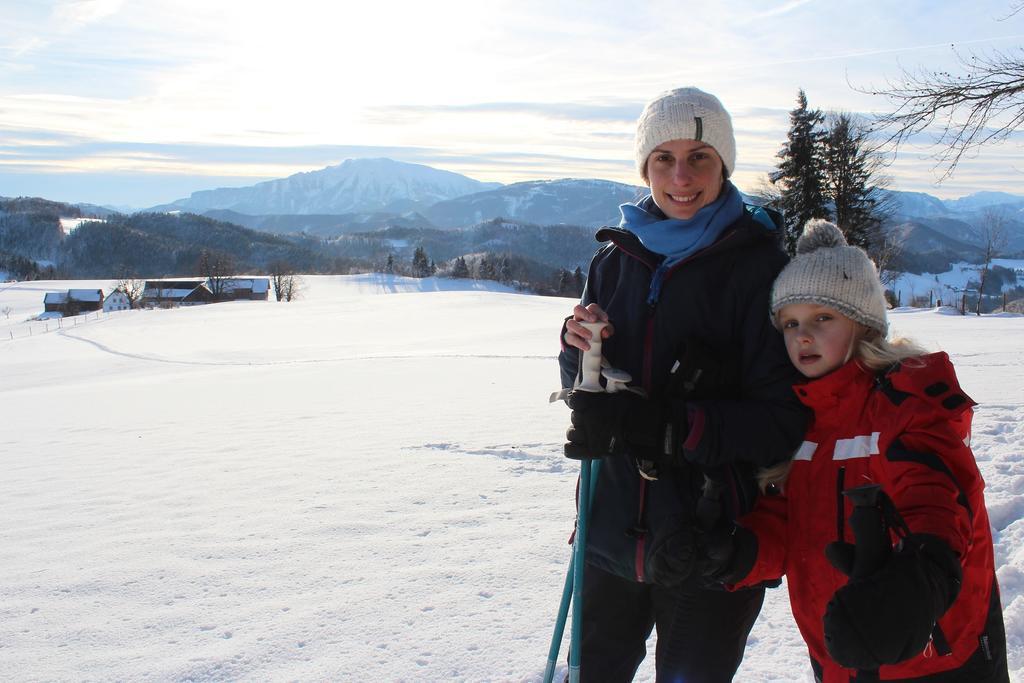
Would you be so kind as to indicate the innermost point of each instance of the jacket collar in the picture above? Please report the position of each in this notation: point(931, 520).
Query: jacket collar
point(848, 382)
point(745, 230)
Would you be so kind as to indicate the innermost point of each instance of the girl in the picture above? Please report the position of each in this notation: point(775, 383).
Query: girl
point(885, 413)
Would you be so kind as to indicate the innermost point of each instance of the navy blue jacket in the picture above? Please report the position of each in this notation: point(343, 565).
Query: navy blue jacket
point(716, 299)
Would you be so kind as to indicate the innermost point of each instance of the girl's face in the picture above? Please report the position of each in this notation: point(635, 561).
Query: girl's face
point(684, 176)
point(819, 339)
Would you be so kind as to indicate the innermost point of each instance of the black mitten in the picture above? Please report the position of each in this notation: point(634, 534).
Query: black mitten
point(888, 617)
point(675, 560)
point(730, 551)
point(613, 424)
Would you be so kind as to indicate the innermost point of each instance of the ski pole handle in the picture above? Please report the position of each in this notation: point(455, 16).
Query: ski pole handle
point(590, 360)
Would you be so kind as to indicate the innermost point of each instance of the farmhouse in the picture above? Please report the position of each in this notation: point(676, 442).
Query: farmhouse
point(167, 293)
point(73, 301)
point(253, 289)
point(116, 301)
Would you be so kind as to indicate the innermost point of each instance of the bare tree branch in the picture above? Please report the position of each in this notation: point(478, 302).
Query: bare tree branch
point(984, 104)
point(1015, 7)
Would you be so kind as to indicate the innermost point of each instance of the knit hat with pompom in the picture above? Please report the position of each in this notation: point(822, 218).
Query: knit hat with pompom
point(828, 271)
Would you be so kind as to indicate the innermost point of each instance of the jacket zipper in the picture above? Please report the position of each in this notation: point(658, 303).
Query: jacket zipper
point(659, 275)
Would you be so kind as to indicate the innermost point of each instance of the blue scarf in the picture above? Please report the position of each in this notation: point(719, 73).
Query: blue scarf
point(676, 238)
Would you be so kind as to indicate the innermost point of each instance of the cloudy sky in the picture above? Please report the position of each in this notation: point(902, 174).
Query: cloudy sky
point(137, 103)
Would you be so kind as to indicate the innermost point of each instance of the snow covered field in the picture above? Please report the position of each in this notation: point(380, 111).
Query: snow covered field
point(949, 286)
point(365, 485)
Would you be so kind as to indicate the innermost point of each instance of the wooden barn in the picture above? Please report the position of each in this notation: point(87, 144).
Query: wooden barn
point(168, 293)
point(251, 289)
point(73, 301)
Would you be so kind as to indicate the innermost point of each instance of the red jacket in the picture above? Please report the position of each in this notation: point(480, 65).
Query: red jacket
point(908, 430)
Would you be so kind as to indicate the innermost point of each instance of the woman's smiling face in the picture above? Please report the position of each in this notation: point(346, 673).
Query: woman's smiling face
point(684, 176)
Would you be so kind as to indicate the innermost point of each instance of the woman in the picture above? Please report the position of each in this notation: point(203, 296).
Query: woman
point(684, 282)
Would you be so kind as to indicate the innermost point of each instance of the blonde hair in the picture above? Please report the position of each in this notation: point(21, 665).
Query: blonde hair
point(875, 353)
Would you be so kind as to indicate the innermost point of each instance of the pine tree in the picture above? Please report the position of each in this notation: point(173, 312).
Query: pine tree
point(420, 263)
point(578, 281)
point(799, 173)
point(389, 267)
point(460, 269)
point(485, 271)
point(565, 284)
point(852, 181)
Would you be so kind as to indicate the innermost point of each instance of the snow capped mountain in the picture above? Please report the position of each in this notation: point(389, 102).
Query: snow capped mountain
point(982, 200)
point(545, 202)
point(353, 186)
point(916, 204)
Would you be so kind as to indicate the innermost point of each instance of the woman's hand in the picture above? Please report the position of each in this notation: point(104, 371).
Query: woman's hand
point(578, 336)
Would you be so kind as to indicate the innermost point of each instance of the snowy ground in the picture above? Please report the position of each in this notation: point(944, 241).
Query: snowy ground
point(366, 485)
point(949, 286)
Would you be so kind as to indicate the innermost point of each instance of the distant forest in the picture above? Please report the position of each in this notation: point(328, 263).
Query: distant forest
point(33, 245)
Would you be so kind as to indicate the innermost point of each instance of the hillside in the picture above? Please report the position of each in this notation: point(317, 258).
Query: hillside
point(592, 203)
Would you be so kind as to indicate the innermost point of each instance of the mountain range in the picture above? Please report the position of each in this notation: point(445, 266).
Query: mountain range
point(372, 210)
point(355, 185)
point(361, 196)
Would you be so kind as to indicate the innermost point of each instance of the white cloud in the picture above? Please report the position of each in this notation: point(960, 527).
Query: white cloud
point(70, 15)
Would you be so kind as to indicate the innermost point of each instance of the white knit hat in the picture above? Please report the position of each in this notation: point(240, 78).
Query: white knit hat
point(685, 114)
point(828, 271)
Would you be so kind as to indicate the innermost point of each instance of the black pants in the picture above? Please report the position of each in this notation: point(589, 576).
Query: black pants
point(701, 632)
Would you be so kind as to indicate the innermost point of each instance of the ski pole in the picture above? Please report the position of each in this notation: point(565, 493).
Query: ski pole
point(567, 592)
point(572, 591)
point(579, 561)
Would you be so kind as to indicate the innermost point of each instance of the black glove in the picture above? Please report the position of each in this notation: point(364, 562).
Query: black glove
point(675, 560)
point(888, 617)
point(729, 553)
point(612, 424)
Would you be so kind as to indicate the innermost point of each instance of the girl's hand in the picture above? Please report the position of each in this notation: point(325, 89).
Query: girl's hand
point(578, 336)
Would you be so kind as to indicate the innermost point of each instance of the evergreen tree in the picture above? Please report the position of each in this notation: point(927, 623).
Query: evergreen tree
point(565, 284)
point(486, 269)
point(799, 174)
point(852, 181)
point(460, 269)
point(389, 267)
point(420, 263)
point(578, 281)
